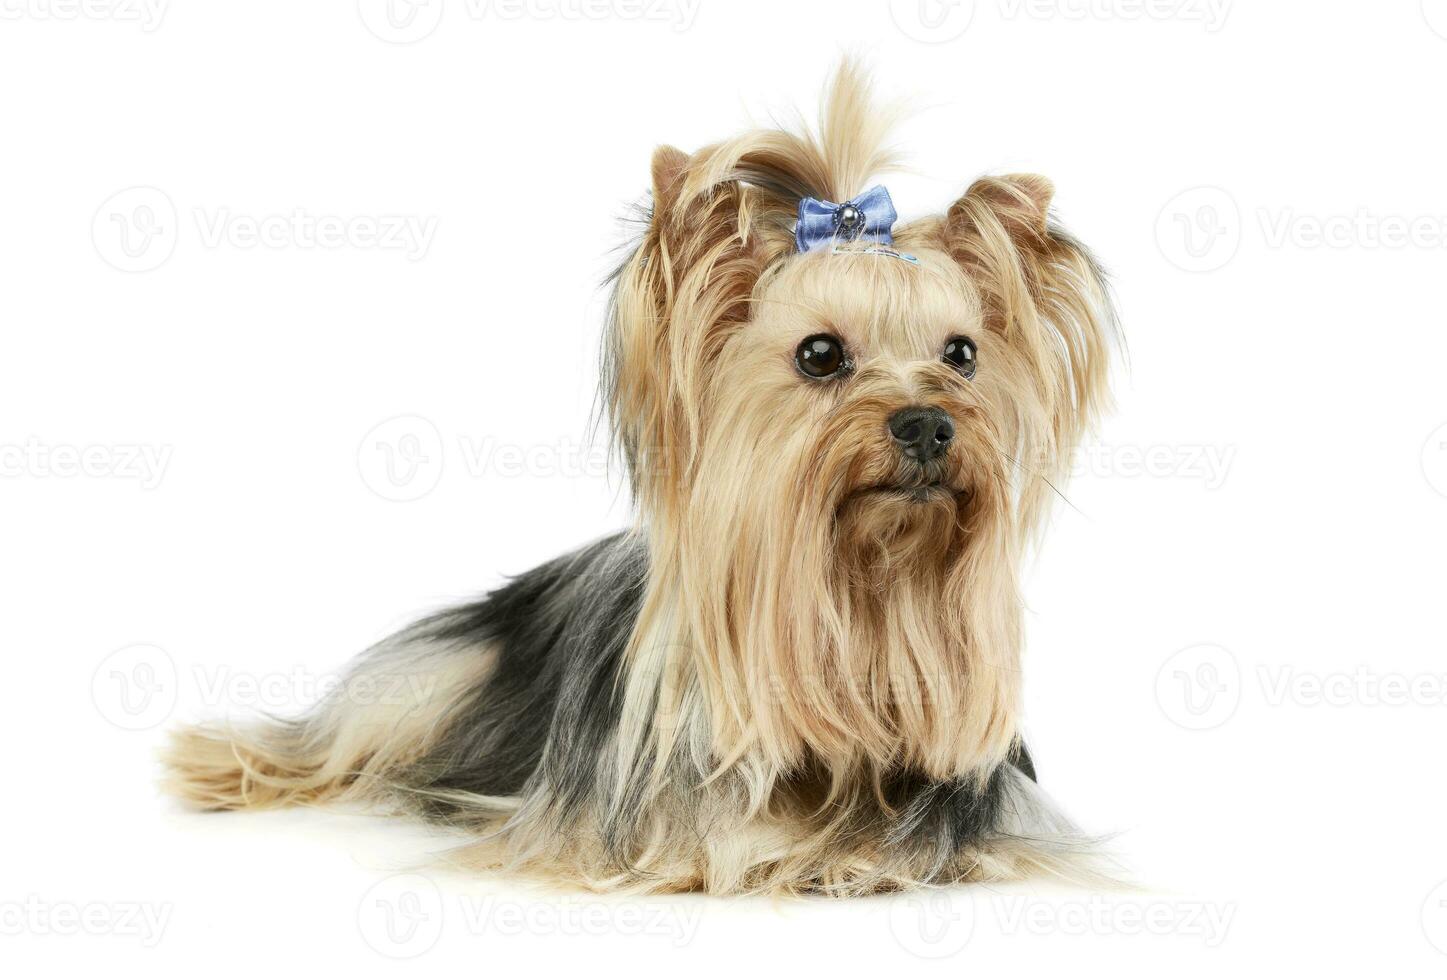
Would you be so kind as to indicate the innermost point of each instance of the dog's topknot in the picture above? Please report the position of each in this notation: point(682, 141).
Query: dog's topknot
point(833, 162)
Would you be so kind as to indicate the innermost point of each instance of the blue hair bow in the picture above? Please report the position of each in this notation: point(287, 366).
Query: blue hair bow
point(869, 216)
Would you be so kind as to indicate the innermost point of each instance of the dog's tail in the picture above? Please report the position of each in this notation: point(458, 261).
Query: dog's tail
point(391, 707)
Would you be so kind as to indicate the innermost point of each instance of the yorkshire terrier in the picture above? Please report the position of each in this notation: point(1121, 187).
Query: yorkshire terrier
point(799, 672)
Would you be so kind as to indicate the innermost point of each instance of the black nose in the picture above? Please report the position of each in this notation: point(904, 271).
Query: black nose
point(922, 433)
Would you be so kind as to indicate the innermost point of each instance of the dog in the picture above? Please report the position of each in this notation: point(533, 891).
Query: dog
point(799, 671)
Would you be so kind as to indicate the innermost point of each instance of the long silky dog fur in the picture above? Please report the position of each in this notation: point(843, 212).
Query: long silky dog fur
point(799, 671)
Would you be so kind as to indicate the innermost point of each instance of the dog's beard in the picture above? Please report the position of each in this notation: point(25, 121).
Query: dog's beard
point(853, 609)
point(894, 518)
point(912, 516)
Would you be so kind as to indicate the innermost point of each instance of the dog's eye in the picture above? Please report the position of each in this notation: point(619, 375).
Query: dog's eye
point(960, 352)
point(820, 356)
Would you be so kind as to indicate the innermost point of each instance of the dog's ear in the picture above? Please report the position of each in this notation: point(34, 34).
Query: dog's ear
point(1020, 203)
point(1045, 296)
point(677, 298)
point(669, 164)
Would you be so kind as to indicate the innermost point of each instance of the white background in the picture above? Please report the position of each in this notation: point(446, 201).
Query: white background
point(1235, 649)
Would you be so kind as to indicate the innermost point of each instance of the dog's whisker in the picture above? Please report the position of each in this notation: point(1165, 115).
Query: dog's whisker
point(1043, 479)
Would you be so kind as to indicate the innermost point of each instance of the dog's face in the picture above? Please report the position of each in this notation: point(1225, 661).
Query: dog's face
point(864, 396)
point(892, 399)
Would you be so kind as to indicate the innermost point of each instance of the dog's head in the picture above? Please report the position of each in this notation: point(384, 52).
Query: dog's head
point(845, 447)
